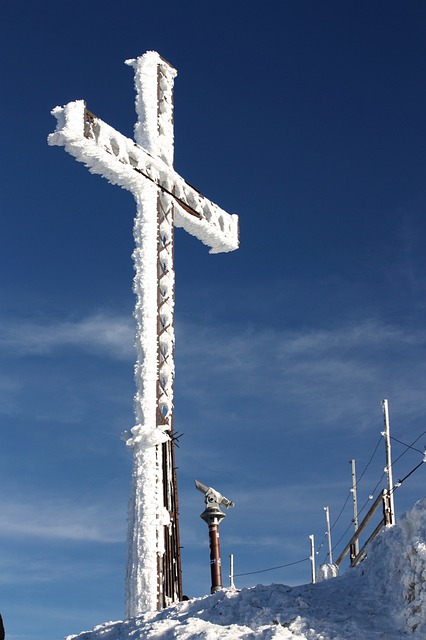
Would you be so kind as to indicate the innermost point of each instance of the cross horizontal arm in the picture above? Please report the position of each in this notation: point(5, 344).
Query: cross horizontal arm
point(107, 152)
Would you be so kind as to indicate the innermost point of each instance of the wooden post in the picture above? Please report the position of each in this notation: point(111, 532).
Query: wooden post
point(355, 506)
point(312, 558)
point(327, 519)
point(231, 571)
point(386, 434)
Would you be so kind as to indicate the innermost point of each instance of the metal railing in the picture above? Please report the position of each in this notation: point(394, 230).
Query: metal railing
point(384, 499)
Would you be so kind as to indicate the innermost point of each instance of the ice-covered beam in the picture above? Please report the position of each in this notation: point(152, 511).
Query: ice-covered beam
point(108, 153)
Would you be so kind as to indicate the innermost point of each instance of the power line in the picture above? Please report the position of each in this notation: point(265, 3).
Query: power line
point(366, 502)
point(347, 499)
point(396, 486)
point(281, 566)
point(399, 483)
point(350, 492)
point(371, 494)
point(342, 536)
point(356, 485)
point(396, 460)
point(322, 544)
point(418, 437)
point(370, 461)
point(409, 446)
point(341, 511)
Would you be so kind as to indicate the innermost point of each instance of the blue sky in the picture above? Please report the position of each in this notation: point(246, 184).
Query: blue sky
point(308, 120)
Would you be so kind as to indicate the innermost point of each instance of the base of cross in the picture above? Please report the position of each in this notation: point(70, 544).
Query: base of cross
point(170, 569)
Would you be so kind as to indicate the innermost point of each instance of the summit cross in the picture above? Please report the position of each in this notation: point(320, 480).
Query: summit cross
point(144, 167)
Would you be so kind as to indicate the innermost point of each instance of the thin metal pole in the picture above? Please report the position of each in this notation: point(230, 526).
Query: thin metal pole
point(355, 503)
point(231, 571)
point(312, 557)
point(215, 563)
point(327, 519)
point(388, 469)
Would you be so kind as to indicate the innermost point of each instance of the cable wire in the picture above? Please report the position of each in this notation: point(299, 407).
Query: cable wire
point(409, 446)
point(350, 493)
point(370, 461)
point(322, 544)
point(371, 493)
point(341, 511)
point(399, 483)
point(362, 474)
point(281, 566)
point(396, 486)
point(342, 536)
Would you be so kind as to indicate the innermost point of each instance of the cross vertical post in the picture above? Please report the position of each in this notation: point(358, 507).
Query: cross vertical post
point(164, 200)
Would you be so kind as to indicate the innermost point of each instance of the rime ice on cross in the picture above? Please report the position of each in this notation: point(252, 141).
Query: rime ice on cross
point(164, 200)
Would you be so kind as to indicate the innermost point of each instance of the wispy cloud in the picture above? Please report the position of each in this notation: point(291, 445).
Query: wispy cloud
point(63, 520)
point(19, 569)
point(324, 375)
point(108, 334)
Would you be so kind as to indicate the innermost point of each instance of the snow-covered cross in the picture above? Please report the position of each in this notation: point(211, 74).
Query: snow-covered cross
point(164, 199)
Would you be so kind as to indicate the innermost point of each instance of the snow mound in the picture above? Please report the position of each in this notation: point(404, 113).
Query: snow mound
point(396, 566)
point(385, 597)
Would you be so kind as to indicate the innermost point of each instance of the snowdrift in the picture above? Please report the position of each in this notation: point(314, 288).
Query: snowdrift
point(385, 597)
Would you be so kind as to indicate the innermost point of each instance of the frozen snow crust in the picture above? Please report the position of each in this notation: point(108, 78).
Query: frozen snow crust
point(385, 597)
point(396, 568)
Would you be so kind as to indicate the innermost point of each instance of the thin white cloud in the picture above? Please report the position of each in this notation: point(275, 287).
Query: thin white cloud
point(10, 387)
point(368, 334)
point(324, 375)
point(62, 520)
point(226, 346)
point(104, 333)
point(20, 569)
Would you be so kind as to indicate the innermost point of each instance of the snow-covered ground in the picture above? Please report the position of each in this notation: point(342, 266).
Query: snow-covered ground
point(385, 597)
